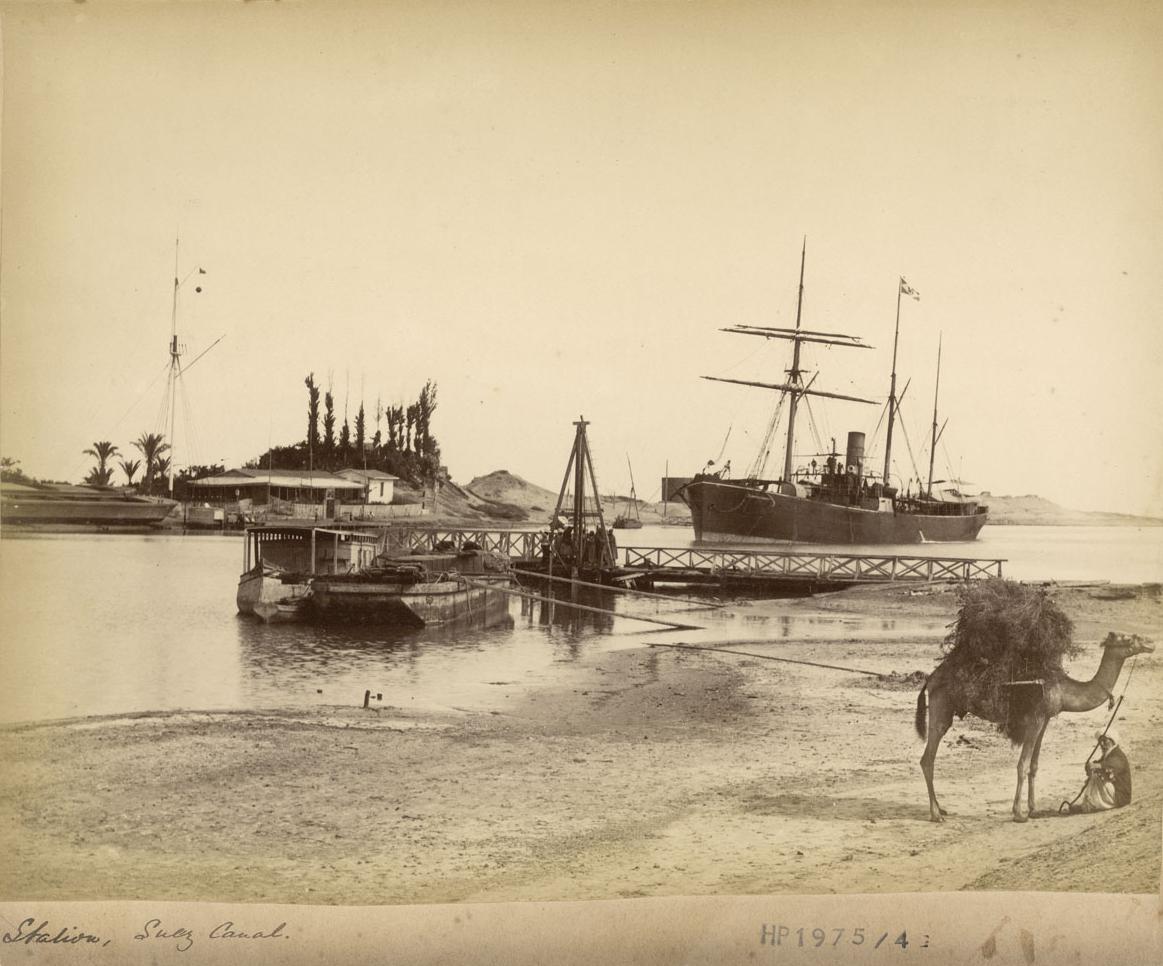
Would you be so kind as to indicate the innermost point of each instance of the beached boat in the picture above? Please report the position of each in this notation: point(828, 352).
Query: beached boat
point(51, 503)
point(333, 575)
point(841, 502)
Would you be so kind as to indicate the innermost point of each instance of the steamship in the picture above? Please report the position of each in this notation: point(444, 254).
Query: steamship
point(836, 502)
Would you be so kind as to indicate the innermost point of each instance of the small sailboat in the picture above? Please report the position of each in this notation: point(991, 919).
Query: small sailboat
point(624, 521)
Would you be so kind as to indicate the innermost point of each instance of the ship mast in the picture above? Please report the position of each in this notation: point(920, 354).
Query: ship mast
point(936, 432)
point(176, 371)
point(175, 366)
point(794, 387)
point(903, 288)
point(892, 388)
point(794, 373)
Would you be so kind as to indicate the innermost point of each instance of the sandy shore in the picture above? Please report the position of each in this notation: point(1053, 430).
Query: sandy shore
point(642, 772)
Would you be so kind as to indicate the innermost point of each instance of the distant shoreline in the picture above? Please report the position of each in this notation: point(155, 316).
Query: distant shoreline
point(503, 500)
point(477, 523)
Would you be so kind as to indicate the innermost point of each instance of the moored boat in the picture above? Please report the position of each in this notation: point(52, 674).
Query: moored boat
point(279, 564)
point(63, 504)
point(833, 502)
point(332, 575)
point(417, 590)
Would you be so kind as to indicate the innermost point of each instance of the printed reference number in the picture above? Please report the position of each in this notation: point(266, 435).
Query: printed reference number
point(777, 934)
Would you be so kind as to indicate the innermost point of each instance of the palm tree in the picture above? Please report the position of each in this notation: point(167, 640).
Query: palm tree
point(129, 468)
point(151, 445)
point(102, 451)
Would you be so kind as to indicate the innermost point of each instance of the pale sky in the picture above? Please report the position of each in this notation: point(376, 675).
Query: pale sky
point(552, 209)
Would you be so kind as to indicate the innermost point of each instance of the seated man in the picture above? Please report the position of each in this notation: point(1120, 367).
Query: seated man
point(1108, 783)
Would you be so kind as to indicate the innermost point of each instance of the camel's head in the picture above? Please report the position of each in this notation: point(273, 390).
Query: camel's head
point(1127, 646)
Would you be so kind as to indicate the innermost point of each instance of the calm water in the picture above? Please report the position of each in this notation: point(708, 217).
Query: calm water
point(1117, 554)
point(102, 624)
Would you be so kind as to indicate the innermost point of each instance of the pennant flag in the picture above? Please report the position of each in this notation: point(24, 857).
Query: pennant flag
point(907, 289)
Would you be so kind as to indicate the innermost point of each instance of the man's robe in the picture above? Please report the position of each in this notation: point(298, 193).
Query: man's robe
point(1108, 783)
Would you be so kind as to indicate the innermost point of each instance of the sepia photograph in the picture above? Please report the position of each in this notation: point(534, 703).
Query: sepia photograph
point(623, 481)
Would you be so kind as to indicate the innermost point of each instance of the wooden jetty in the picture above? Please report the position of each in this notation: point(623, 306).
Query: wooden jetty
point(795, 571)
point(780, 570)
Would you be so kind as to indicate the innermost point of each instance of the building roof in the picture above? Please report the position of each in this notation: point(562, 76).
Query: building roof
point(289, 479)
point(350, 473)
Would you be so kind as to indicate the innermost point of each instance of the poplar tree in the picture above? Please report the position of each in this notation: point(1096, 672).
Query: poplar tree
point(312, 413)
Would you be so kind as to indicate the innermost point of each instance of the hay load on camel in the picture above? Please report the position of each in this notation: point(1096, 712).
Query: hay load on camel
point(1007, 636)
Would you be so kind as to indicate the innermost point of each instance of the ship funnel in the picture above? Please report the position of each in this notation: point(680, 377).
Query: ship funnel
point(854, 459)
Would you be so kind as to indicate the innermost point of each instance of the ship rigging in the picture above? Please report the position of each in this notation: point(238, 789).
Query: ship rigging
point(840, 502)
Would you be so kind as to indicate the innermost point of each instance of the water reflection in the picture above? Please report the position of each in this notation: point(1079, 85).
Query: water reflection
point(335, 661)
point(561, 606)
point(464, 663)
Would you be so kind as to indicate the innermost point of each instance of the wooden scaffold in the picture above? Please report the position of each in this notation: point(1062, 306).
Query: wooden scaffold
point(580, 544)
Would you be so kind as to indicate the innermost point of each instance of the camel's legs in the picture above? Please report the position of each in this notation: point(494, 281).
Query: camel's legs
point(940, 718)
point(1034, 761)
point(1032, 734)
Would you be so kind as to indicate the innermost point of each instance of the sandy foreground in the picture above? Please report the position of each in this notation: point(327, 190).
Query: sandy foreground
point(646, 771)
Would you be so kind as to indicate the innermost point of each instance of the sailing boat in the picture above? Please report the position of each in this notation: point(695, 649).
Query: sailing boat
point(834, 502)
point(623, 521)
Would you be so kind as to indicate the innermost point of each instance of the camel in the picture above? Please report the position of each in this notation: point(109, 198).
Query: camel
point(946, 697)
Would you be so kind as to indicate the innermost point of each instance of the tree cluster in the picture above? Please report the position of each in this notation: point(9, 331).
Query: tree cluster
point(156, 467)
point(10, 472)
point(402, 444)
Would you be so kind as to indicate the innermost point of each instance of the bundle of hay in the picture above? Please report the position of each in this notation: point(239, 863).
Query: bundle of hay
point(1006, 632)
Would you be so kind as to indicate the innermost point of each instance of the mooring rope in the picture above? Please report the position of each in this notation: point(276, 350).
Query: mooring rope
point(593, 610)
point(702, 604)
point(767, 657)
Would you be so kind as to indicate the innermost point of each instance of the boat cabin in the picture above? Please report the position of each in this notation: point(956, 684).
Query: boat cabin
point(310, 550)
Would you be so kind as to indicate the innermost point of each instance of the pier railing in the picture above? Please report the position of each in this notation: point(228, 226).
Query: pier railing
point(837, 567)
point(520, 544)
point(753, 564)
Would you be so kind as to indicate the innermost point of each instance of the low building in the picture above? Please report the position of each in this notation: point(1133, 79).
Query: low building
point(379, 487)
point(271, 487)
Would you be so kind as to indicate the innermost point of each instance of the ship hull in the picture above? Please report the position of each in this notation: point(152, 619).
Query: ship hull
point(263, 595)
point(723, 512)
point(403, 605)
point(110, 513)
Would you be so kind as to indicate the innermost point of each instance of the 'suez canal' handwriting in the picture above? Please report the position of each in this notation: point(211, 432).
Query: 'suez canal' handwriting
point(31, 931)
point(183, 937)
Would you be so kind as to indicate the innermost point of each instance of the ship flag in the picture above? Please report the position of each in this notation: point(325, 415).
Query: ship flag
point(907, 289)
